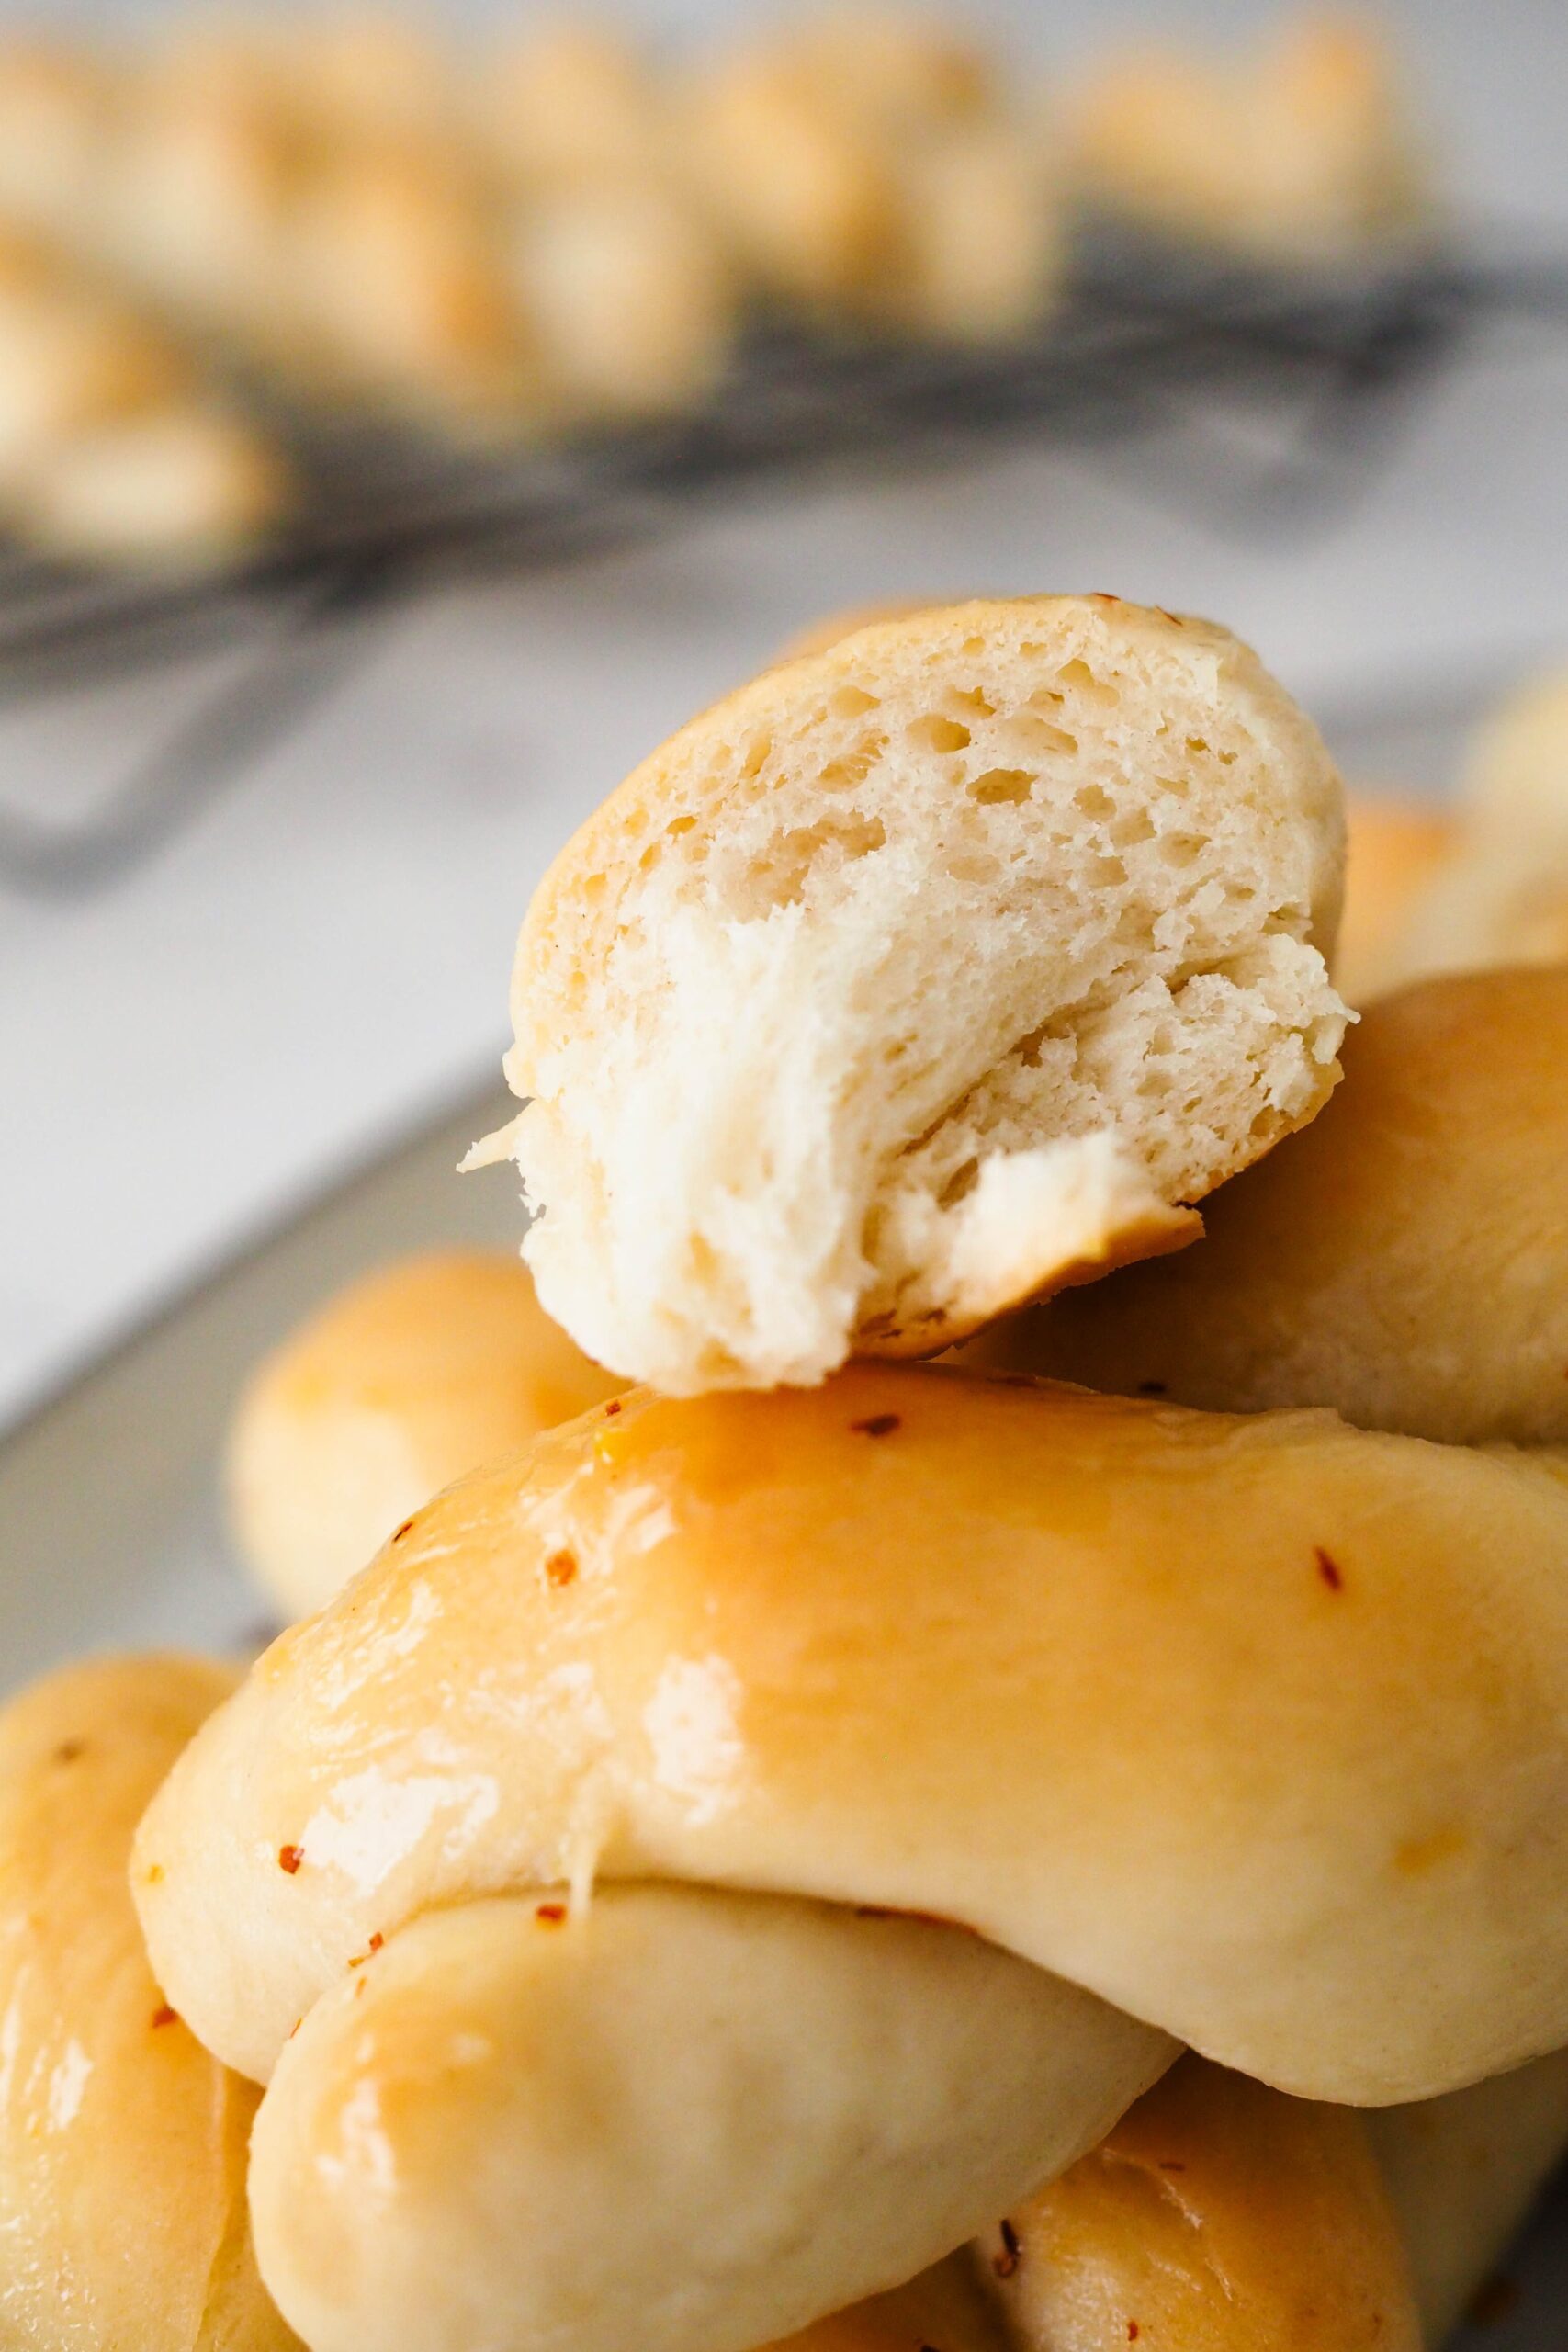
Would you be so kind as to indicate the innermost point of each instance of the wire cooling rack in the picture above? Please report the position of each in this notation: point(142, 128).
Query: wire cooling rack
point(1281, 390)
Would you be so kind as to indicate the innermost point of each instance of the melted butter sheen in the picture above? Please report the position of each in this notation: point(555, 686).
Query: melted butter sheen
point(122, 2142)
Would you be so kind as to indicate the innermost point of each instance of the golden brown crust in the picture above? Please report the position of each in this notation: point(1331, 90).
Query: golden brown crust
point(947, 2307)
point(1400, 1261)
point(623, 822)
point(819, 636)
point(412, 1375)
point(1217, 2216)
point(1134, 1720)
point(122, 2143)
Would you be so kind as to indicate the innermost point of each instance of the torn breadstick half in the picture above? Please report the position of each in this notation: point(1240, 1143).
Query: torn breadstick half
point(922, 976)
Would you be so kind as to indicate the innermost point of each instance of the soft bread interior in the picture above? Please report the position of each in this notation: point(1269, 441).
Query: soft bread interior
point(923, 975)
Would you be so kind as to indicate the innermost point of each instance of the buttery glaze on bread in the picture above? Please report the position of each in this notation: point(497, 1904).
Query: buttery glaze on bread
point(1217, 2216)
point(917, 978)
point(685, 2119)
point(122, 2144)
point(1220, 2216)
point(802, 1641)
point(1402, 1261)
point(1364, 1275)
point(408, 1377)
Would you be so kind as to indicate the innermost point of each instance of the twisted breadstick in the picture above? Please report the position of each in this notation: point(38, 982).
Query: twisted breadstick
point(122, 2144)
point(654, 1651)
point(920, 976)
point(658, 1649)
point(817, 2101)
point(1218, 2216)
point(1330, 1275)
point(1402, 1261)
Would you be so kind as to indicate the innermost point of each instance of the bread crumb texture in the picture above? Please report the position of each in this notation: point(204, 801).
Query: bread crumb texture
point(919, 977)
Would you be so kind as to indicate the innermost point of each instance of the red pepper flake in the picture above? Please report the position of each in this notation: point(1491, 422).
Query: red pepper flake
point(877, 1425)
point(1132, 2331)
point(549, 1915)
point(404, 1529)
point(360, 1958)
point(376, 1941)
point(612, 1408)
point(163, 2015)
point(1171, 2163)
point(1328, 1569)
point(155, 1874)
point(289, 1858)
point(1006, 2263)
point(69, 1749)
point(560, 1570)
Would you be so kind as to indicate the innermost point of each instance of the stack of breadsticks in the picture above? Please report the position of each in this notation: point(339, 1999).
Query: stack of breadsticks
point(560, 230)
point(834, 1848)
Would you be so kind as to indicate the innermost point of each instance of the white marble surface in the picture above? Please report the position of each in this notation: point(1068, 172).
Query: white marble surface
point(324, 957)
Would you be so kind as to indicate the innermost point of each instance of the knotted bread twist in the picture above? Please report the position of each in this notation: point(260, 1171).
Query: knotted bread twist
point(1111, 1682)
point(1107, 1682)
point(1331, 1274)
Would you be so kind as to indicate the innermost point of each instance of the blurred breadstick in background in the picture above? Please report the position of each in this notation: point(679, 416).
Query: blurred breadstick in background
point(382, 74)
point(629, 294)
point(205, 163)
point(403, 292)
point(188, 483)
point(866, 165)
point(111, 450)
point(568, 98)
point(1502, 894)
point(1302, 146)
point(1394, 847)
point(55, 102)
